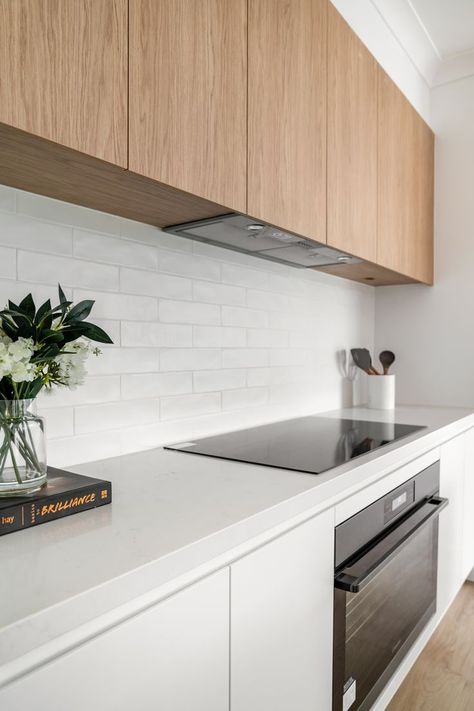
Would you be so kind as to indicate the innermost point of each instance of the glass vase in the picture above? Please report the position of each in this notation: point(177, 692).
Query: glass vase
point(22, 448)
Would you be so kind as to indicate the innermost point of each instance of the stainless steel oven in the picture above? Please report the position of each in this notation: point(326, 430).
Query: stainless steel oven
point(386, 560)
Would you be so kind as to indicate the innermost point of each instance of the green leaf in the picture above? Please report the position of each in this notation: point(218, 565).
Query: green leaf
point(52, 337)
point(20, 324)
point(62, 295)
point(43, 310)
point(71, 331)
point(33, 388)
point(94, 333)
point(8, 328)
point(27, 306)
point(80, 311)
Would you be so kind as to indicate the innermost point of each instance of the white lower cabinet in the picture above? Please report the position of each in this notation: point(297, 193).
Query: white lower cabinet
point(281, 622)
point(468, 536)
point(172, 657)
point(451, 568)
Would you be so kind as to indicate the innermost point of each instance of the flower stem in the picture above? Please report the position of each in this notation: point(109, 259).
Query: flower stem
point(12, 455)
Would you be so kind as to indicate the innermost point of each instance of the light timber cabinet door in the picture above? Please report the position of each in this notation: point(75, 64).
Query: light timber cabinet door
point(352, 141)
point(405, 178)
point(287, 114)
point(63, 73)
point(188, 96)
point(281, 622)
point(172, 657)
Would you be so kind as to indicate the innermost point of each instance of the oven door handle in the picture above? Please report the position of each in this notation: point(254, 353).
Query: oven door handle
point(360, 571)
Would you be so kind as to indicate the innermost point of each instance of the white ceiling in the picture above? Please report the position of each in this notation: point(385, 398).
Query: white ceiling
point(438, 35)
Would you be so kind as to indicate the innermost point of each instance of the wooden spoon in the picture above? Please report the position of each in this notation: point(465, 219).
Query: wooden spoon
point(387, 359)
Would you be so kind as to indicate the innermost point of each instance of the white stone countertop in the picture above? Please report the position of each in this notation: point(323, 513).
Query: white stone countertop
point(174, 518)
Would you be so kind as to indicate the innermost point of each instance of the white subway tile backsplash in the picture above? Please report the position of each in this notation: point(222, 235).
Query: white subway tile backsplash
point(113, 250)
point(7, 263)
point(186, 406)
point(189, 265)
point(290, 356)
point(156, 335)
point(241, 399)
point(50, 269)
point(266, 338)
point(66, 213)
point(218, 293)
point(111, 416)
point(190, 359)
point(148, 234)
point(218, 337)
point(268, 300)
point(67, 451)
point(20, 232)
point(205, 339)
point(156, 385)
point(59, 421)
point(96, 389)
point(290, 320)
point(7, 199)
point(271, 376)
point(120, 306)
point(215, 380)
point(243, 276)
point(244, 358)
point(134, 281)
point(238, 316)
point(189, 312)
point(125, 360)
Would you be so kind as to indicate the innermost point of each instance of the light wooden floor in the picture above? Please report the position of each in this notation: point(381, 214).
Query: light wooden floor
point(442, 678)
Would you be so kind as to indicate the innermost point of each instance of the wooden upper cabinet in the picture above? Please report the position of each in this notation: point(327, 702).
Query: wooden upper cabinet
point(287, 62)
point(63, 73)
point(352, 142)
point(188, 96)
point(405, 179)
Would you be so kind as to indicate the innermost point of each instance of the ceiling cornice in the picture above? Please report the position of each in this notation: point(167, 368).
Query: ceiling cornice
point(455, 67)
point(411, 33)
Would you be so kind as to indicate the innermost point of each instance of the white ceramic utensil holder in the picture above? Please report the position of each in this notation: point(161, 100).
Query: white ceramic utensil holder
point(381, 392)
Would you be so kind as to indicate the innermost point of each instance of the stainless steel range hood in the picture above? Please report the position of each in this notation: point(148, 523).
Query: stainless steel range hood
point(242, 234)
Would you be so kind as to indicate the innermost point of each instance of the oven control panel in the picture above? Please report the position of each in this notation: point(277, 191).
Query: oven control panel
point(398, 500)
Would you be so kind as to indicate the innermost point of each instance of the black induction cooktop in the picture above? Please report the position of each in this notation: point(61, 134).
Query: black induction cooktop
point(306, 444)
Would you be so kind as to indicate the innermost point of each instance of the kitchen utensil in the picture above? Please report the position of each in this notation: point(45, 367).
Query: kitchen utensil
point(386, 358)
point(362, 359)
point(372, 370)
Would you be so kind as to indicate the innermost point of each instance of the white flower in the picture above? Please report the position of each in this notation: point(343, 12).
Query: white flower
point(72, 369)
point(15, 359)
point(21, 372)
point(21, 350)
point(5, 361)
point(4, 338)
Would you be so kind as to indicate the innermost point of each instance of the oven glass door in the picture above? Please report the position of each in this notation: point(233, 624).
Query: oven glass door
point(375, 626)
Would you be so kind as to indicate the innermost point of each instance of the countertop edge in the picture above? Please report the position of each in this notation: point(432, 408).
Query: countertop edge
point(147, 585)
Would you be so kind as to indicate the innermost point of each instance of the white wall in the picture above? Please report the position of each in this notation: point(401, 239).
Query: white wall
point(368, 23)
point(204, 339)
point(432, 329)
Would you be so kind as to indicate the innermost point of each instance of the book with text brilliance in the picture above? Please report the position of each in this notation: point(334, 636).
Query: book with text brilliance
point(65, 493)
